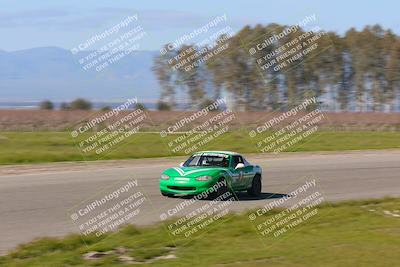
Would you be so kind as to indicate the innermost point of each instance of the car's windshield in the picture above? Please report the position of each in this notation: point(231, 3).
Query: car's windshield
point(207, 160)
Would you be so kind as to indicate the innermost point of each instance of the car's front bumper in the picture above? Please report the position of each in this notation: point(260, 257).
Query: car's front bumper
point(186, 186)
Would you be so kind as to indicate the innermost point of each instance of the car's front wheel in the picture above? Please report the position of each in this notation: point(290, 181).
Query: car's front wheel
point(255, 189)
point(222, 189)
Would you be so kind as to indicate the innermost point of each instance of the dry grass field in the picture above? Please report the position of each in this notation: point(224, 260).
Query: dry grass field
point(58, 120)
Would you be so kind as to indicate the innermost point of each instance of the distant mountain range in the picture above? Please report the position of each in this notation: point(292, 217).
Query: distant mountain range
point(55, 73)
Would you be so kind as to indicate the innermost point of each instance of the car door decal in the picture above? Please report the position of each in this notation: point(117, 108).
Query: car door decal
point(241, 176)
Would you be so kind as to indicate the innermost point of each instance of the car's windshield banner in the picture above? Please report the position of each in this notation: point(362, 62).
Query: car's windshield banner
point(212, 154)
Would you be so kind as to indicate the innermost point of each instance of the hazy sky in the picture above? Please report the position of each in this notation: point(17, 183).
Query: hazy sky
point(66, 23)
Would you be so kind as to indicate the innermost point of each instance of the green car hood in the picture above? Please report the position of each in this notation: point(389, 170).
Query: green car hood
point(193, 172)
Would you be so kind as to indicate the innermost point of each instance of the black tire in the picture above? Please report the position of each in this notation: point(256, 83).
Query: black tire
point(166, 194)
point(255, 189)
point(220, 191)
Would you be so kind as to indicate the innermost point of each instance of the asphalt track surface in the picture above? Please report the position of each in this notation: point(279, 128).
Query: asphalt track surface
point(38, 200)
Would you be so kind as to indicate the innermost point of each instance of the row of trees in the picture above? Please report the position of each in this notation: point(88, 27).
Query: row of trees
point(77, 104)
point(83, 104)
point(357, 71)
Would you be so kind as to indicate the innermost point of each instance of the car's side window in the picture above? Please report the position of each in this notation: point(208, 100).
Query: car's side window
point(232, 161)
point(236, 160)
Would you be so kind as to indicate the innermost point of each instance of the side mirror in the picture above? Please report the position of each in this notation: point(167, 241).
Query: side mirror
point(181, 164)
point(239, 166)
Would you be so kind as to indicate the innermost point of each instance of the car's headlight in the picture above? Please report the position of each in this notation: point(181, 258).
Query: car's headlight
point(203, 178)
point(164, 177)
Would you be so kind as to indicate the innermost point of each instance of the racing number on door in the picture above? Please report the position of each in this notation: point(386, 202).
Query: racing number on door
point(241, 176)
point(238, 172)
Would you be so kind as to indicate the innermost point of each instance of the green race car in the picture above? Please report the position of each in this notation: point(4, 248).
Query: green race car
point(202, 171)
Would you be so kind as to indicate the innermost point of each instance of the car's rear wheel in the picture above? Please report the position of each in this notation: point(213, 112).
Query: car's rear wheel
point(255, 189)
